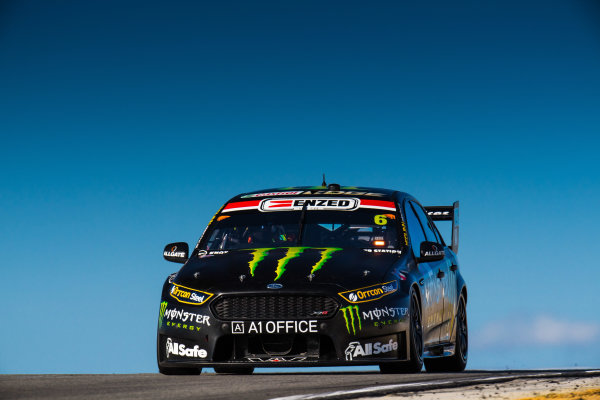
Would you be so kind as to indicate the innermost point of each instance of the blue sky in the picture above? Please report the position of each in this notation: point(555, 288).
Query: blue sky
point(125, 126)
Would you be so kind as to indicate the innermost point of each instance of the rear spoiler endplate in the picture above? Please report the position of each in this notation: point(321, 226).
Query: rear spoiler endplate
point(446, 213)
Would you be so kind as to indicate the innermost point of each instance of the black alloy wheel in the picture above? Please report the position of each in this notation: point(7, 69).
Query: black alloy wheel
point(463, 341)
point(415, 364)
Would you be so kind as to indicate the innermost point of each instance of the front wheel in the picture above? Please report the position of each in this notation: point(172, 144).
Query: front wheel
point(458, 361)
point(415, 364)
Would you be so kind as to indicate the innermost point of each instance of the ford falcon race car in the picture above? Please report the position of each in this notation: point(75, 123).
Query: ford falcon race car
point(316, 276)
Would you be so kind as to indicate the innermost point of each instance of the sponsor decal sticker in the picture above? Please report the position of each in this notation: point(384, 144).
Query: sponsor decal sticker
point(388, 251)
point(163, 307)
point(404, 232)
point(174, 348)
point(314, 192)
point(382, 219)
point(174, 253)
point(179, 325)
point(386, 322)
point(438, 213)
point(271, 194)
point(189, 296)
point(257, 256)
point(352, 317)
point(273, 327)
point(371, 349)
point(205, 253)
point(296, 204)
point(172, 314)
point(290, 253)
point(370, 293)
point(237, 327)
point(384, 312)
point(325, 255)
point(312, 203)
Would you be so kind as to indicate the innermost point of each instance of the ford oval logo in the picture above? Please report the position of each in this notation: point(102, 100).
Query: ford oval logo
point(274, 286)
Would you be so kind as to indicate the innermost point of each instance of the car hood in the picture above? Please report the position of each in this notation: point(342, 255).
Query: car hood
point(295, 268)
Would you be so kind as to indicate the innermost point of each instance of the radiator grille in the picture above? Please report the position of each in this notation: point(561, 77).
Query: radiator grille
point(257, 307)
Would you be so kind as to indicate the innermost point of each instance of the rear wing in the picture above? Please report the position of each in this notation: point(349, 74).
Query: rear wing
point(446, 213)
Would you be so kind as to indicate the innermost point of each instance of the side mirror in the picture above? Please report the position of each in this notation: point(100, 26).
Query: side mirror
point(431, 251)
point(176, 252)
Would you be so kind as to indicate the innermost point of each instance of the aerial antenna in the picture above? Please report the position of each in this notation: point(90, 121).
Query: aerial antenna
point(324, 184)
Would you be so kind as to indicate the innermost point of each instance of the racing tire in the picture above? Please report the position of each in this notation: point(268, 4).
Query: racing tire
point(179, 371)
point(458, 361)
point(415, 364)
point(234, 370)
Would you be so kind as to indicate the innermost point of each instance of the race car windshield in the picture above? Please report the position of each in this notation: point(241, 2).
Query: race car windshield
point(362, 228)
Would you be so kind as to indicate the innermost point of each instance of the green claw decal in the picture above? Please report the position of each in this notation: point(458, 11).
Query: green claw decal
point(325, 255)
point(163, 307)
point(344, 310)
point(349, 312)
point(292, 252)
point(257, 256)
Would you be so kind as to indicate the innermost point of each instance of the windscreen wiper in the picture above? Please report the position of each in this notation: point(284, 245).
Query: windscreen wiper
point(301, 226)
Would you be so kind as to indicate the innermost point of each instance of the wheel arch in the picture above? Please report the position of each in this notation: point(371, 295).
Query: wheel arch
point(463, 293)
point(415, 287)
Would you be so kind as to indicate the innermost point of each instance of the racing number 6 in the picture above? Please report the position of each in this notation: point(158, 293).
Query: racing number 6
point(380, 220)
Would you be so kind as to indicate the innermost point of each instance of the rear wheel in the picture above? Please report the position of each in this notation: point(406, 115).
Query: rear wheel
point(179, 371)
point(234, 370)
point(415, 364)
point(458, 361)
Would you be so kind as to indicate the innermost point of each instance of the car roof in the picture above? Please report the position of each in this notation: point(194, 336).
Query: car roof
point(358, 191)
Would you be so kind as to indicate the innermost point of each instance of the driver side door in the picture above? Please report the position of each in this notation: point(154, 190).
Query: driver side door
point(430, 286)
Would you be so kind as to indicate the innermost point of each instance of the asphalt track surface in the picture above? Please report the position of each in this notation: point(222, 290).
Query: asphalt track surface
point(298, 386)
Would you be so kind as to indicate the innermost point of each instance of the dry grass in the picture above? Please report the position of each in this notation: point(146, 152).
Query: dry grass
point(590, 394)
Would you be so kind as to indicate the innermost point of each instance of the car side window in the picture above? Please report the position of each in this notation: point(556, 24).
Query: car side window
point(415, 231)
point(426, 223)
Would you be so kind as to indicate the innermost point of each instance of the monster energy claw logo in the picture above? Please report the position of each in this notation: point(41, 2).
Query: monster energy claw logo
point(163, 307)
point(352, 317)
point(292, 252)
point(257, 256)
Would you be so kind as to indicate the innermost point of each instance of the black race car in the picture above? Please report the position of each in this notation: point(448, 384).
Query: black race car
point(316, 276)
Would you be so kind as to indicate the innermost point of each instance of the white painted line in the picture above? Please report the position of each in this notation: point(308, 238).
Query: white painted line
point(357, 391)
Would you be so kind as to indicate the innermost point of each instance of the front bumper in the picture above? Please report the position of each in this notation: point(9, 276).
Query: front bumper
point(355, 334)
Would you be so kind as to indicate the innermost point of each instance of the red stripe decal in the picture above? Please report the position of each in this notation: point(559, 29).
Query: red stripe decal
point(242, 204)
point(377, 203)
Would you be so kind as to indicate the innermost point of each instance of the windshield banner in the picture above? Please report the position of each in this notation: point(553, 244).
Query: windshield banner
point(311, 203)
